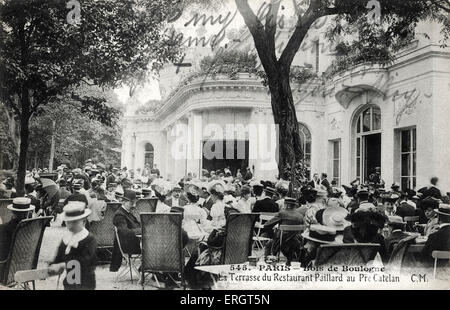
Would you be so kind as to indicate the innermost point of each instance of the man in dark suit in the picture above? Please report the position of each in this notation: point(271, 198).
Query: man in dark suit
point(128, 227)
point(176, 199)
point(315, 182)
point(266, 203)
point(396, 233)
point(20, 207)
point(440, 240)
point(324, 182)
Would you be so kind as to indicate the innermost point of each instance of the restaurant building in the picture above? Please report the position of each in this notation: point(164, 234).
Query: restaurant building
point(395, 117)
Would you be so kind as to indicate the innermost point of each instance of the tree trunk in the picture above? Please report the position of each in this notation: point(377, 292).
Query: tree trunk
point(289, 145)
point(24, 134)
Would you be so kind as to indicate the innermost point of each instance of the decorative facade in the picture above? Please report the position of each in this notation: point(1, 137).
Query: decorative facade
point(395, 117)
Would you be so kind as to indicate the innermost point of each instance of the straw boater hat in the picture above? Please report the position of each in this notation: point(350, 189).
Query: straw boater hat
point(334, 217)
point(74, 211)
point(320, 233)
point(21, 204)
point(396, 221)
point(271, 190)
point(444, 209)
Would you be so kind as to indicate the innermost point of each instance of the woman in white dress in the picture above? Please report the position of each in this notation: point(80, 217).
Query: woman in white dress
point(194, 217)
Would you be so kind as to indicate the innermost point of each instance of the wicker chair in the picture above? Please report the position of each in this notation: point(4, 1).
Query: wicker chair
point(399, 253)
point(25, 248)
point(238, 240)
point(351, 254)
point(162, 249)
point(103, 231)
point(5, 215)
point(146, 205)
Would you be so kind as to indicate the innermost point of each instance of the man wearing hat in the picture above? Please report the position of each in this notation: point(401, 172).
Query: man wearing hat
point(176, 199)
point(266, 203)
point(128, 226)
point(291, 239)
point(20, 208)
point(112, 177)
point(77, 245)
point(396, 227)
point(440, 240)
point(363, 199)
point(30, 193)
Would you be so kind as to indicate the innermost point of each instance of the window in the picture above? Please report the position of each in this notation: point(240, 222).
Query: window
point(337, 161)
point(368, 142)
point(408, 159)
point(149, 154)
point(305, 137)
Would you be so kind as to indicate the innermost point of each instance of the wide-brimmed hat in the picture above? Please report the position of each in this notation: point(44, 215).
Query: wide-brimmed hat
point(429, 203)
point(395, 185)
point(334, 217)
point(444, 209)
point(320, 233)
point(390, 196)
point(216, 185)
point(21, 204)
point(74, 211)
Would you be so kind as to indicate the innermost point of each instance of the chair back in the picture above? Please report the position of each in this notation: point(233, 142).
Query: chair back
point(441, 255)
point(437, 255)
point(5, 214)
point(116, 234)
point(25, 247)
point(162, 242)
point(352, 254)
point(146, 205)
point(399, 253)
point(239, 238)
point(103, 230)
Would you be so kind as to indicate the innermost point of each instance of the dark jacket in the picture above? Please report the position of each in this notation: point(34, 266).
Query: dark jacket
point(291, 239)
point(394, 239)
point(265, 205)
point(85, 254)
point(438, 241)
point(432, 192)
point(128, 227)
point(405, 209)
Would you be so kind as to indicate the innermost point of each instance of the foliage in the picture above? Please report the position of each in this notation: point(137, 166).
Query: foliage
point(75, 133)
point(43, 58)
point(230, 63)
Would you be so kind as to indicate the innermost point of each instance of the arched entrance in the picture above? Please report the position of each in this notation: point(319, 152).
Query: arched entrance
point(149, 155)
point(367, 132)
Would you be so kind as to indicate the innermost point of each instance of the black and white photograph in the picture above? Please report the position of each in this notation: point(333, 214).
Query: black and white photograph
point(224, 145)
